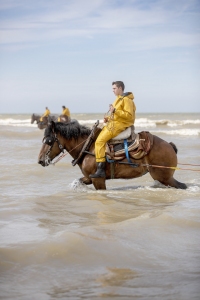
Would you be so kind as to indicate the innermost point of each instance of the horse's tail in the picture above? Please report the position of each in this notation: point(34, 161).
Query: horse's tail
point(174, 147)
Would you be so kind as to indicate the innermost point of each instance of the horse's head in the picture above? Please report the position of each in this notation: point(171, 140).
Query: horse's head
point(59, 136)
point(32, 118)
point(51, 146)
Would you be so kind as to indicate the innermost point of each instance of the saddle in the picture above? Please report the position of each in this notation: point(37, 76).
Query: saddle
point(137, 145)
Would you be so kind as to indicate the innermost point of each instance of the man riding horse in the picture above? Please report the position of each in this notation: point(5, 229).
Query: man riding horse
point(45, 114)
point(122, 116)
point(65, 116)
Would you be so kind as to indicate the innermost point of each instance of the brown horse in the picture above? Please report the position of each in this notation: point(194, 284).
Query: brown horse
point(34, 118)
point(72, 136)
point(45, 122)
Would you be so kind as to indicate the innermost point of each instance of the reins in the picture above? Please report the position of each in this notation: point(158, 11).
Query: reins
point(67, 152)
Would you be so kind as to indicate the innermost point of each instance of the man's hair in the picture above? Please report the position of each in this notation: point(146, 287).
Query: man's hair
point(63, 106)
point(119, 84)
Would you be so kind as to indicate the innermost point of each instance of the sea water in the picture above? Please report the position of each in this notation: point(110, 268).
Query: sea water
point(63, 240)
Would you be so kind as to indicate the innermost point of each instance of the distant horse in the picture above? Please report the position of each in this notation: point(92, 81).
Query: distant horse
point(41, 124)
point(34, 118)
point(45, 122)
point(71, 136)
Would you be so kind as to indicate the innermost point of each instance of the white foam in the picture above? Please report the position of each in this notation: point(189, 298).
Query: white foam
point(83, 122)
point(193, 189)
point(173, 124)
point(77, 186)
point(16, 122)
point(144, 122)
point(182, 122)
point(186, 122)
point(189, 132)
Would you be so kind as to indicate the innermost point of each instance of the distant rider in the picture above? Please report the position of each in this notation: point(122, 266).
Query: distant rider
point(45, 114)
point(65, 112)
point(122, 116)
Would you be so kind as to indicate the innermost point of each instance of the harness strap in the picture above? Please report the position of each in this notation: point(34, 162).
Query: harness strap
point(133, 165)
point(112, 167)
point(126, 150)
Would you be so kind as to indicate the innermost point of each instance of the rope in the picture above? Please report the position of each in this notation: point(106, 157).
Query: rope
point(164, 167)
point(189, 165)
point(144, 165)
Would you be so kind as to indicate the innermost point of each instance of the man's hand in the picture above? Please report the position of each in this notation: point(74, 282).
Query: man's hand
point(111, 108)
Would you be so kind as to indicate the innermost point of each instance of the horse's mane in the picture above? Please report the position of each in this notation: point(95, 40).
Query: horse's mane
point(70, 130)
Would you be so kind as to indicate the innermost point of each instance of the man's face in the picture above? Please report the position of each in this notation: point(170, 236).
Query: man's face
point(117, 90)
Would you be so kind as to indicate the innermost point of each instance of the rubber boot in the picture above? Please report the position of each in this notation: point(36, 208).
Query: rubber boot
point(100, 172)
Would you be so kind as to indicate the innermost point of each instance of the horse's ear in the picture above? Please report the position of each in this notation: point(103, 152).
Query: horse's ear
point(53, 125)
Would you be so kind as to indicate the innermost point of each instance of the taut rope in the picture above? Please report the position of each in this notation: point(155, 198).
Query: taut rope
point(189, 165)
point(174, 168)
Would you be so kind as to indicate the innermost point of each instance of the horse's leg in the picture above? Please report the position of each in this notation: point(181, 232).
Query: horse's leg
point(88, 166)
point(99, 183)
point(175, 183)
point(163, 154)
point(165, 176)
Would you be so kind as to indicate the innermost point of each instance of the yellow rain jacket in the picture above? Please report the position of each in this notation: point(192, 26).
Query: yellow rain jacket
point(123, 117)
point(45, 114)
point(66, 112)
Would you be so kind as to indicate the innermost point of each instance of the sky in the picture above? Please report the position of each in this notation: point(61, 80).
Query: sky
point(68, 52)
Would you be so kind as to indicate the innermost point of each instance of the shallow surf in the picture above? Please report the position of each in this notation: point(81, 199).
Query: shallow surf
point(63, 240)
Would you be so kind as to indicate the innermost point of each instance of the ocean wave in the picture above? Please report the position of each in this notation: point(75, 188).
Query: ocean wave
point(182, 123)
point(92, 122)
point(144, 122)
point(139, 122)
point(186, 122)
point(185, 132)
point(17, 122)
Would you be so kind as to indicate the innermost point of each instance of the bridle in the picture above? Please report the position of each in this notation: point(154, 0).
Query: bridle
point(50, 141)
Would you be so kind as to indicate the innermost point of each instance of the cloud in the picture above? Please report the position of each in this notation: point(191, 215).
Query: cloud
point(148, 24)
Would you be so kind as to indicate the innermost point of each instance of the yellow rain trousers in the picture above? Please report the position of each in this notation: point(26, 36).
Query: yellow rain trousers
point(46, 114)
point(123, 117)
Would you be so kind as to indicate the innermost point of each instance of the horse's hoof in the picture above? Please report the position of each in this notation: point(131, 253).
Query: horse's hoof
point(85, 180)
